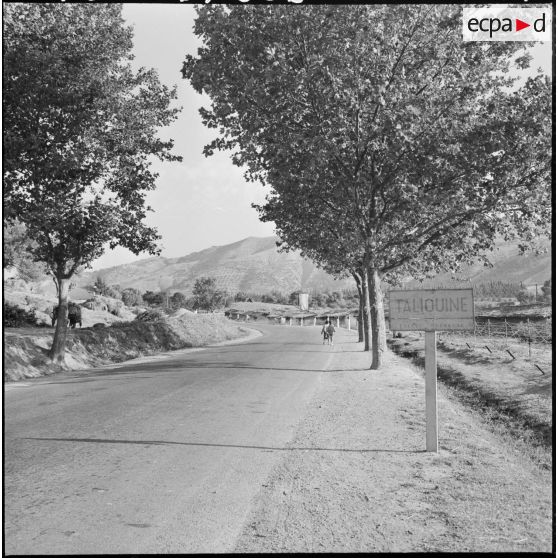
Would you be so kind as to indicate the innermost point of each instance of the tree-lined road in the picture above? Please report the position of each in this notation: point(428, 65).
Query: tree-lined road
point(157, 456)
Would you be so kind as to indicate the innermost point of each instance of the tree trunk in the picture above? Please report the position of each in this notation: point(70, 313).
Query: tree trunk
point(366, 311)
point(379, 345)
point(358, 281)
point(360, 317)
point(56, 285)
point(58, 349)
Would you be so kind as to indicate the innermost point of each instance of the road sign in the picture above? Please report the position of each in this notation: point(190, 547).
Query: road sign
point(431, 310)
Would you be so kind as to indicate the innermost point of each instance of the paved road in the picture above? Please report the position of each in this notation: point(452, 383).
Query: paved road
point(154, 457)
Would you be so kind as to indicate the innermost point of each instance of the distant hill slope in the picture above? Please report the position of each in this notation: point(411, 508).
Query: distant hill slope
point(508, 267)
point(254, 265)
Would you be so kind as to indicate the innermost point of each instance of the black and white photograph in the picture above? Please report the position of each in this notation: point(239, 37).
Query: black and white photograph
point(278, 277)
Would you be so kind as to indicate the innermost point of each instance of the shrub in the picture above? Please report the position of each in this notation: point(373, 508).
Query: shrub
point(206, 295)
point(100, 287)
point(114, 306)
point(178, 300)
point(132, 297)
point(153, 299)
point(95, 303)
point(14, 316)
point(525, 296)
point(105, 304)
point(547, 291)
point(153, 315)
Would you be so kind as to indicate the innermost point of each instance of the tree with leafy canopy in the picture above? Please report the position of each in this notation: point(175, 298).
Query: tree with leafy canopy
point(178, 300)
point(154, 299)
point(320, 233)
point(547, 290)
point(80, 135)
point(386, 117)
point(131, 297)
point(18, 252)
point(206, 295)
point(525, 296)
point(102, 288)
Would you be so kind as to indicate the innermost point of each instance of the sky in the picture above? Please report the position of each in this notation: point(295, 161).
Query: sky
point(199, 202)
point(202, 201)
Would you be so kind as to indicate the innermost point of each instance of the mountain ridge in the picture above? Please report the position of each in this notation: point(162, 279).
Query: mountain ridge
point(254, 265)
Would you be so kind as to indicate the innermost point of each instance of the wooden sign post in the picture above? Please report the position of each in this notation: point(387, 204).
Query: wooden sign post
point(431, 390)
point(431, 310)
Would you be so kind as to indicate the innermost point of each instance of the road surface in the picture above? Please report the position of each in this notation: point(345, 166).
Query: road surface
point(163, 456)
point(278, 444)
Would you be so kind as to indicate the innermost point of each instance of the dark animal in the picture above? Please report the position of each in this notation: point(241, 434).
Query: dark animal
point(74, 315)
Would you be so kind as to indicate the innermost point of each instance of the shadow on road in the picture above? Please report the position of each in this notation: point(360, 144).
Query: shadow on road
point(200, 444)
point(175, 365)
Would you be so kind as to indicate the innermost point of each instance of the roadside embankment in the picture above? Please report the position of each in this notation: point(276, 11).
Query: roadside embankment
point(26, 349)
point(502, 386)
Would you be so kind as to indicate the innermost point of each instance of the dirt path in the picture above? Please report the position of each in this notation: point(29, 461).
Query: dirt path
point(358, 478)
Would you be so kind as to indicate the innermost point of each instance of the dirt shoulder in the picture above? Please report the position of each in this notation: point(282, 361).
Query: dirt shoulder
point(357, 478)
point(26, 350)
point(512, 391)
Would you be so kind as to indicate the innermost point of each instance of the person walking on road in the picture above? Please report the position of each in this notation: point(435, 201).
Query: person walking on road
point(330, 331)
point(325, 333)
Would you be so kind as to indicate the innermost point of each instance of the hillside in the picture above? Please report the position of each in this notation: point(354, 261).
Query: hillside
point(251, 265)
point(254, 265)
point(508, 267)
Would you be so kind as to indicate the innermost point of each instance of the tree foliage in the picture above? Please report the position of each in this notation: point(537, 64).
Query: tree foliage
point(80, 133)
point(390, 144)
point(131, 297)
point(547, 290)
point(153, 299)
point(178, 300)
point(15, 316)
point(18, 252)
point(206, 295)
point(101, 287)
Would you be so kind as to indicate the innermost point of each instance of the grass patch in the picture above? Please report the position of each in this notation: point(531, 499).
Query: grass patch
point(502, 407)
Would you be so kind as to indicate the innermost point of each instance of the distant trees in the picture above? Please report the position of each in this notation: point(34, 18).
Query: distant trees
point(178, 300)
point(153, 299)
point(275, 297)
point(80, 132)
point(279, 297)
point(390, 144)
point(525, 296)
point(317, 300)
point(496, 289)
point(132, 297)
point(101, 287)
point(206, 295)
point(547, 290)
point(293, 297)
point(501, 289)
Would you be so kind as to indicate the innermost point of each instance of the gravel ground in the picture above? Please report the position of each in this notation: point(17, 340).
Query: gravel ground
point(357, 478)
